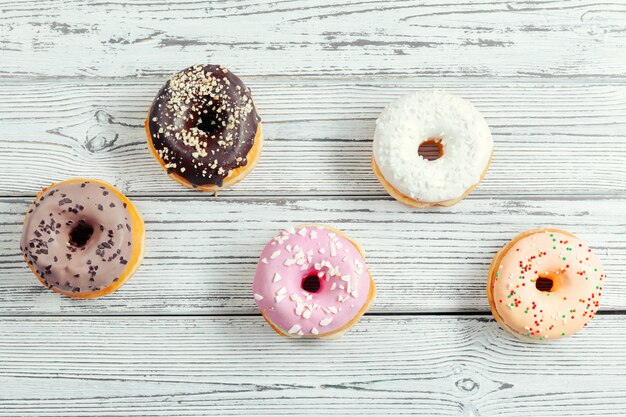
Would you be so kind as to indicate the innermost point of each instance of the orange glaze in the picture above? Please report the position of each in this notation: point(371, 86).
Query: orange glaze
point(524, 310)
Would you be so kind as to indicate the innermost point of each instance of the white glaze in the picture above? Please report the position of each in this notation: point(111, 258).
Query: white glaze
point(414, 118)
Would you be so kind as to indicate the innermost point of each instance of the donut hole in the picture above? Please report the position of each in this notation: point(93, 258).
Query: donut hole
point(311, 284)
point(80, 234)
point(544, 284)
point(207, 124)
point(431, 149)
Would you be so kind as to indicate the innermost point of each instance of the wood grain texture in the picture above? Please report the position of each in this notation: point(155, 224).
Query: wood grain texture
point(427, 366)
point(201, 254)
point(183, 337)
point(132, 38)
point(552, 139)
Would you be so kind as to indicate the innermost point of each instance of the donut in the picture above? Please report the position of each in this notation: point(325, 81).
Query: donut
point(544, 284)
point(203, 128)
point(82, 238)
point(312, 282)
point(457, 135)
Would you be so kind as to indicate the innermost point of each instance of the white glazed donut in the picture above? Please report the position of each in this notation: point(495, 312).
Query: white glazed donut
point(464, 140)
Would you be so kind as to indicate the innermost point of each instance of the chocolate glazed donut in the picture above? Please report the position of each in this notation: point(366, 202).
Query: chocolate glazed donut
point(204, 129)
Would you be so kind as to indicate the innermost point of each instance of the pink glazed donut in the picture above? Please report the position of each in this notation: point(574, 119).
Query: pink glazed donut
point(312, 281)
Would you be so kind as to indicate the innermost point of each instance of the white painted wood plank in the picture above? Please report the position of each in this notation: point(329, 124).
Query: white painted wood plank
point(314, 37)
point(201, 254)
point(181, 366)
point(552, 138)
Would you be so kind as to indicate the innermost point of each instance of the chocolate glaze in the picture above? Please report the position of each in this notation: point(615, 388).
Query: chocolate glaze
point(77, 237)
point(203, 123)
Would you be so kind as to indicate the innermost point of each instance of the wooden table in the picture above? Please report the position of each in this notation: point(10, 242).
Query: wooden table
point(183, 337)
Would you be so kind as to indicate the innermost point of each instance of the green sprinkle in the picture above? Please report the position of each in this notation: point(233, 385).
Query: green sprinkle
point(565, 259)
point(563, 334)
point(553, 247)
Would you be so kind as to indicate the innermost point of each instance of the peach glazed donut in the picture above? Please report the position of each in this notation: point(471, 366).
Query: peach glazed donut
point(203, 128)
point(431, 149)
point(312, 282)
point(82, 238)
point(545, 284)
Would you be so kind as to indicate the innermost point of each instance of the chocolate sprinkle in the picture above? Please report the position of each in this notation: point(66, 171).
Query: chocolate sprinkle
point(61, 253)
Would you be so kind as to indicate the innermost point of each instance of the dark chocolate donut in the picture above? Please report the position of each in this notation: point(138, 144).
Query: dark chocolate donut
point(202, 126)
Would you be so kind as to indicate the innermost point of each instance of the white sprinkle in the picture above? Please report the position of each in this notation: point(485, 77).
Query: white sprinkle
point(277, 277)
point(313, 234)
point(306, 314)
point(333, 249)
point(280, 298)
point(294, 329)
point(289, 262)
point(258, 297)
point(355, 294)
point(326, 321)
point(332, 287)
point(291, 230)
point(302, 232)
point(332, 235)
point(282, 291)
point(296, 298)
point(332, 309)
point(275, 254)
point(322, 250)
point(345, 278)
point(264, 260)
point(314, 331)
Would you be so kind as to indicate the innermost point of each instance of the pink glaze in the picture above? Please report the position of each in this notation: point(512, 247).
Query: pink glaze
point(577, 277)
point(296, 254)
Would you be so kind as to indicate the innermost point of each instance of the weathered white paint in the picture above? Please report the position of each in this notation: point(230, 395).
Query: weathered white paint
point(552, 138)
point(77, 79)
point(365, 38)
point(201, 254)
point(401, 365)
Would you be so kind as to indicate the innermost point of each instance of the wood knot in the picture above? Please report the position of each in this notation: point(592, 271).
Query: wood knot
point(102, 135)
